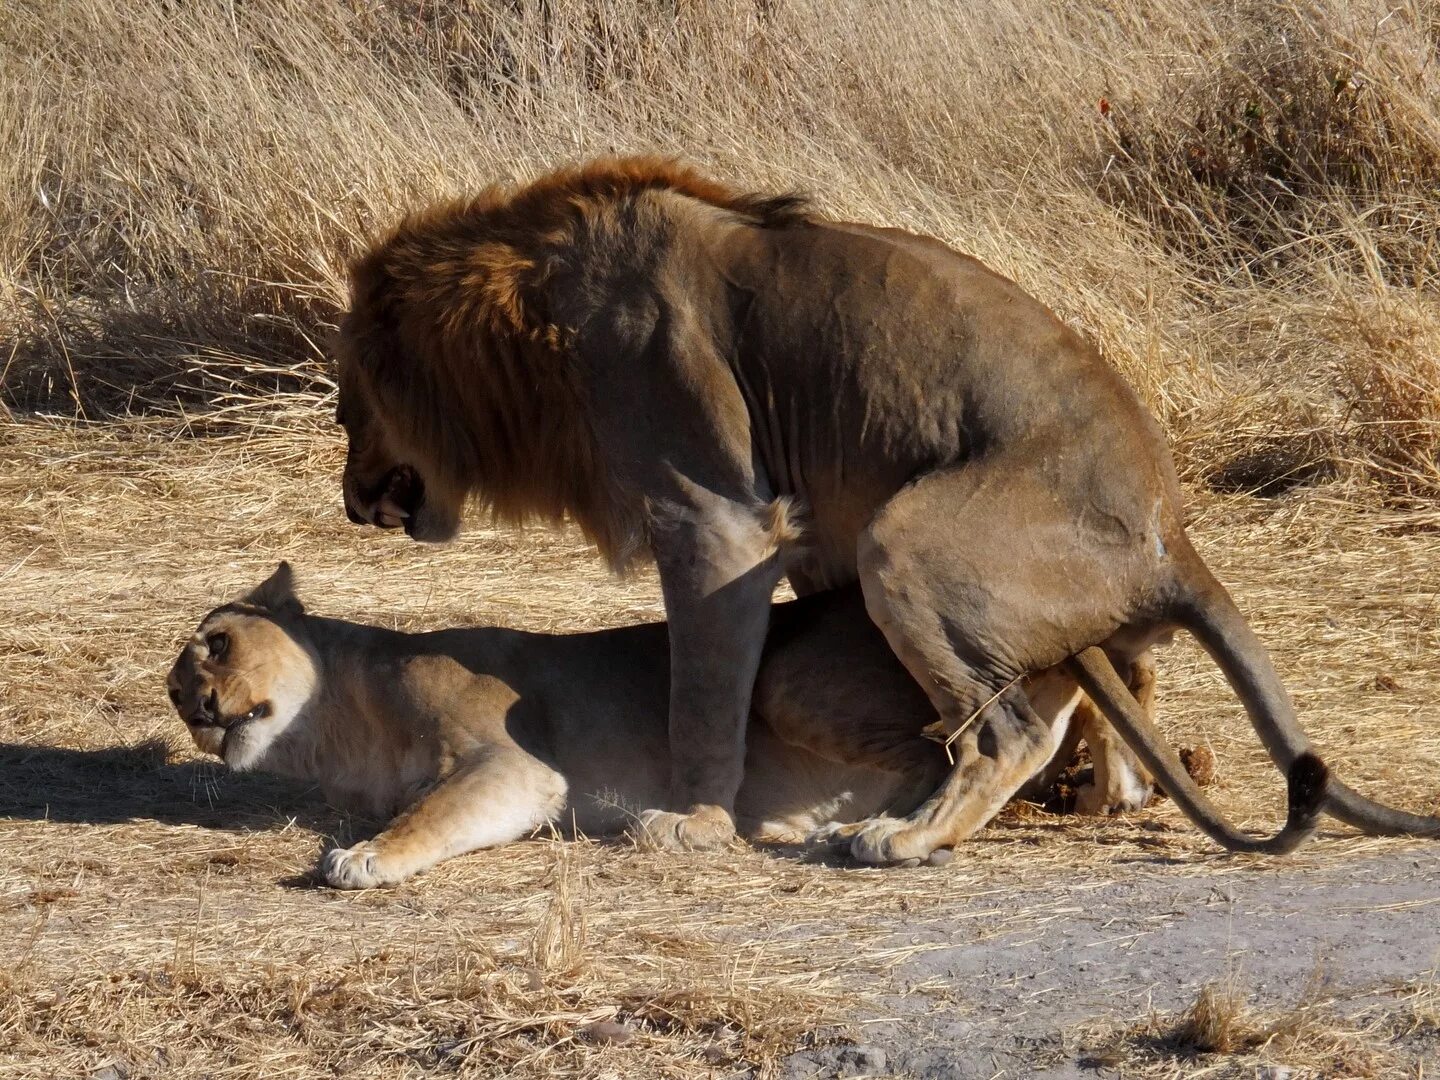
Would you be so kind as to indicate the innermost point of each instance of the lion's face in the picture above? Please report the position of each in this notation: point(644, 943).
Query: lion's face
point(239, 683)
point(381, 487)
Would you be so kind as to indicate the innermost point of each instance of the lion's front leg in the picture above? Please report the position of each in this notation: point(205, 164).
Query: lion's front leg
point(718, 567)
point(493, 801)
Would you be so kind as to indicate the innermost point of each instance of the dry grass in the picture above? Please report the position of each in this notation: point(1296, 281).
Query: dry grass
point(1238, 201)
point(1222, 1035)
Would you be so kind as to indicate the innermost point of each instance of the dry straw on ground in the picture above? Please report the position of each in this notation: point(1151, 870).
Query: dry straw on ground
point(1238, 201)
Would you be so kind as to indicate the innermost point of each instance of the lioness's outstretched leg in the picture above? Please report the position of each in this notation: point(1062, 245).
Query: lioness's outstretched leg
point(500, 795)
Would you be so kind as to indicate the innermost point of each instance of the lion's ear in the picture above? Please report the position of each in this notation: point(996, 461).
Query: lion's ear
point(276, 593)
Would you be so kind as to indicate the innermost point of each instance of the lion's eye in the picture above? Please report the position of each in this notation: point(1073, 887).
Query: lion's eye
point(218, 644)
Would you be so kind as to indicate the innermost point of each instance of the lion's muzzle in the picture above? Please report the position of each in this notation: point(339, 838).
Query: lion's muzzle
point(391, 504)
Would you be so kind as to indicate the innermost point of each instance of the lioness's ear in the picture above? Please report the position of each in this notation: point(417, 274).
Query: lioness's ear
point(276, 593)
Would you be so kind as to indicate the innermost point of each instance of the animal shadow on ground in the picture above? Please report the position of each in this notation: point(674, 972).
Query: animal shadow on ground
point(127, 783)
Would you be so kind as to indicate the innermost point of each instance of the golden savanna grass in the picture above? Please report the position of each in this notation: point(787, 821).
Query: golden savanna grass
point(1239, 201)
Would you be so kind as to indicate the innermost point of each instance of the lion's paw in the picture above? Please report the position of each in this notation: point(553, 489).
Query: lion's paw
point(355, 867)
point(704, 830)
point(881, 841)
point(885, 841)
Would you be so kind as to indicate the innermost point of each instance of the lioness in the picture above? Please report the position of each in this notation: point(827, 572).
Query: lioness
point(744, 389)
point(481, 735)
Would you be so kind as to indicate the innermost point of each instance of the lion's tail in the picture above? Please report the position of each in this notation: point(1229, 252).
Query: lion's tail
point(1307, 775)
point(1206, 610)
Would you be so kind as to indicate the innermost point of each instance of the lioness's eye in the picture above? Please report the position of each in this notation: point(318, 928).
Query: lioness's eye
point(217, 644)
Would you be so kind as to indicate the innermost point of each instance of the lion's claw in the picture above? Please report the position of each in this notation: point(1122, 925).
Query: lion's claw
point(881, 841)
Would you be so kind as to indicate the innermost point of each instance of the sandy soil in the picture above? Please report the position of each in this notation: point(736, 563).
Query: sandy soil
point(1056, 999)
point(157, 918)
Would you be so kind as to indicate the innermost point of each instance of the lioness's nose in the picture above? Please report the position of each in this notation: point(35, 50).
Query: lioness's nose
point(206, 710)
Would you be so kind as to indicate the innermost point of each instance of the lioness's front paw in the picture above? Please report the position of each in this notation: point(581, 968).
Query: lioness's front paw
point(704, 830)
point(358, 867)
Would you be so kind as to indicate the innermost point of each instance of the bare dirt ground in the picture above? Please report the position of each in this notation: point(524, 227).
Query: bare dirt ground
point(157, 918)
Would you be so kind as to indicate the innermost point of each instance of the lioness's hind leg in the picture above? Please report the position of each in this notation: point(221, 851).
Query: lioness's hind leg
point(1120, 782)
point(503, 797)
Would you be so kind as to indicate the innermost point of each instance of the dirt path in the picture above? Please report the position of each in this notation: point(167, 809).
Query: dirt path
point(1037, 1000)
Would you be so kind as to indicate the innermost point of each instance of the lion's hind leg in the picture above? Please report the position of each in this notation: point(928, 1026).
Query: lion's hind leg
point(502, 796)
point(962, 573)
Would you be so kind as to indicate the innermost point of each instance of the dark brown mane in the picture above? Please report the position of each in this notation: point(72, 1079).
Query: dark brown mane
point(507, 226)
point(608, 180)
point(448, 326)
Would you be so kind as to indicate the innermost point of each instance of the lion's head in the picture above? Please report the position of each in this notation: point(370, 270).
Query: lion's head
point(388, 483)
point(458, 371)
point(245, 675)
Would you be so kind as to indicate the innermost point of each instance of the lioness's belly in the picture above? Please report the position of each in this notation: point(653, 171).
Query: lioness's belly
point(785, 786)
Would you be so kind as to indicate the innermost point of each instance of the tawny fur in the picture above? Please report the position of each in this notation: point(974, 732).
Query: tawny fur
point(663, 359)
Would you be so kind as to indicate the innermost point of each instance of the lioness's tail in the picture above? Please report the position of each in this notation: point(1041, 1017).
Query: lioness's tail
point(1307, 775)
point(1208, 612)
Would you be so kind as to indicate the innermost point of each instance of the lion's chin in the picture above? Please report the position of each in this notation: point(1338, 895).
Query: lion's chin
point(432, 526)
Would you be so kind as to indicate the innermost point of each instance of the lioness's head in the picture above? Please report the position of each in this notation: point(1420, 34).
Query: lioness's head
point(245, 674)
point(391, 478)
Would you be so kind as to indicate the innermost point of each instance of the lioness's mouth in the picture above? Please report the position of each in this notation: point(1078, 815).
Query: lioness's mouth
point(259, 712)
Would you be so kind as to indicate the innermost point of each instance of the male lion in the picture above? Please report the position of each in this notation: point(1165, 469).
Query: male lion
point(744, 390)
point(478, 736)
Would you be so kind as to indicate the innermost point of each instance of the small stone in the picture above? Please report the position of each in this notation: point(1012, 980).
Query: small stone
point(607, 1032)
point(941, 856)
point(1274, 1072)
point(860, 1061)
point(715, 1054)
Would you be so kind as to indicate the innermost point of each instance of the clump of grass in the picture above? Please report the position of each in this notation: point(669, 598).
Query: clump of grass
point(1215, 1023)
point(1222, 1034)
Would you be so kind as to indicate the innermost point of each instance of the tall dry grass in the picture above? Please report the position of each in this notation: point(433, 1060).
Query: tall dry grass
point(1238, 200)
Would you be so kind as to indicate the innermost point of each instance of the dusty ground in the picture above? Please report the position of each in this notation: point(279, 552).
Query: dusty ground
point(156, 918)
